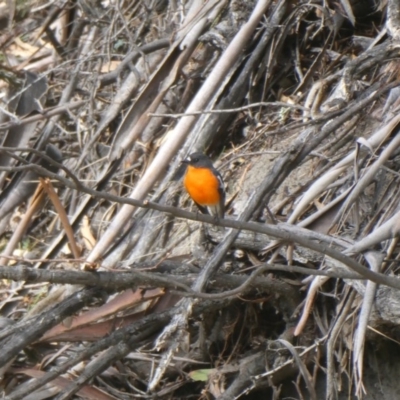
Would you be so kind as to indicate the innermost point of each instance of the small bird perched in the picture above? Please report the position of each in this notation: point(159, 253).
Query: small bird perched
point(204, 184)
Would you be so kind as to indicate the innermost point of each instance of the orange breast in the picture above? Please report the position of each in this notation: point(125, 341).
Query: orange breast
point(202, 186)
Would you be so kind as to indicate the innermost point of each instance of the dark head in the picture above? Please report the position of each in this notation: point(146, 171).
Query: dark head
point(198, 160)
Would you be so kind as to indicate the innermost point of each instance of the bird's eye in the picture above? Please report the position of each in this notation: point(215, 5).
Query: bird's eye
point(195, 159)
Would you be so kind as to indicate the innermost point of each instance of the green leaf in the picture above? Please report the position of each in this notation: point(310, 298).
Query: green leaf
point(201, 374)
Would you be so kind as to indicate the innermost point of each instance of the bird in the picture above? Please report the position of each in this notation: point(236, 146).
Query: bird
point(204, 184)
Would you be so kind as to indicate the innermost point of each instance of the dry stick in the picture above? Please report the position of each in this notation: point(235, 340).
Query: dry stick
point(110, 77)
point(108, 280)
point(331, 382)
point(232, 110)
point(95, 367)
point(123, 280)
point(368, 177)
point(44, 114)
point(309, 303)
point(321, 183)
point(393, 19)
point(281, 231)
point(34, 206)
point(48, 187)
point(249, 283)
point(302, 368)
point(36, 260)
point(43, 156)
point(374, 259)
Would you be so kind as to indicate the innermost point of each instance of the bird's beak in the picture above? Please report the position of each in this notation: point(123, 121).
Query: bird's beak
point(186, 160)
